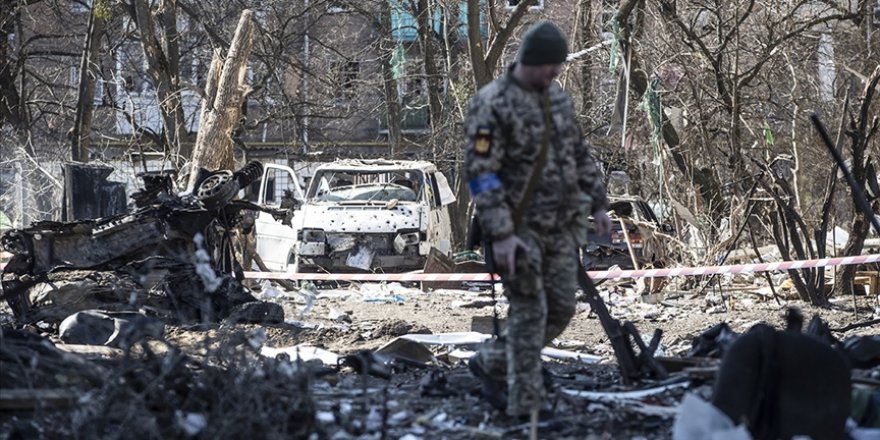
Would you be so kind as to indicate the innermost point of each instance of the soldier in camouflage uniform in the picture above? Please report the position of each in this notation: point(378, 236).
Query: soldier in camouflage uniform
point(537, 258)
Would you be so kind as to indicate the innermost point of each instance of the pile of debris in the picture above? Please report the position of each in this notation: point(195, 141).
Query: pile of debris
point(149, 390)
point(417, 386)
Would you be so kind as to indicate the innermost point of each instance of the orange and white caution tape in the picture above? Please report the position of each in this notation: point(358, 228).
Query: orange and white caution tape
point(596, 275)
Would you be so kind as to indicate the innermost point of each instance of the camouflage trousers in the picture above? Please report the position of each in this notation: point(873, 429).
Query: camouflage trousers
point(542, 302)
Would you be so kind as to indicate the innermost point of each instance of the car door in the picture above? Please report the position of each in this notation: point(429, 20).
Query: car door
point(275, 240)
point(438, 196)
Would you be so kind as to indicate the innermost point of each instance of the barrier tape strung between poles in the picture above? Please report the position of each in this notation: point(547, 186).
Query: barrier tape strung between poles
point(596, 275)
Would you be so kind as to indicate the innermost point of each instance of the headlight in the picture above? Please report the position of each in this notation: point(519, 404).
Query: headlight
point(404, 239)
point(409, 238)
point(311, 235)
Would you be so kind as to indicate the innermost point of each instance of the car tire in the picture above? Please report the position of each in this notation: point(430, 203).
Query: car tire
point(217, 189)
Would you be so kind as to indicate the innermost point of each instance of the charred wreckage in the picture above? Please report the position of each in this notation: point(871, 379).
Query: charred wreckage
point(178, 247)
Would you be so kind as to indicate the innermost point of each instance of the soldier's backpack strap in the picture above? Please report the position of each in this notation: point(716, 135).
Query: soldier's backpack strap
point(539, 164)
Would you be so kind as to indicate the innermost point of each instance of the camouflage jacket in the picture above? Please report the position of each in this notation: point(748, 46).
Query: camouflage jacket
point(504, 131)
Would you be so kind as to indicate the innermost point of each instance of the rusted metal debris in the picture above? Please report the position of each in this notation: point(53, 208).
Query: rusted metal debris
point(178, 246)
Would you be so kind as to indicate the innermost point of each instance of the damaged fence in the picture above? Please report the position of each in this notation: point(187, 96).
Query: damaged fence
point(32, 191)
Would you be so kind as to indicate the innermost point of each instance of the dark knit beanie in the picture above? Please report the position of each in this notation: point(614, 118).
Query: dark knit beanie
point(543, 43)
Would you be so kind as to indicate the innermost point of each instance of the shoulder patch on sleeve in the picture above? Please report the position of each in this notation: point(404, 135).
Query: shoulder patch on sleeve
point(483, 140)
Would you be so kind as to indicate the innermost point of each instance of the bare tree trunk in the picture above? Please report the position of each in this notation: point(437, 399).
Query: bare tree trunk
point(426, 40)
point(162, 66)
point(211, 83)
point(392, 99)
point(81, 131)
point(792, 234)
point(172, 103)
point(222, 105)
point(485, 61)
point(586, 39)
point(830, 189)
point(11, 110)
point(482, 74)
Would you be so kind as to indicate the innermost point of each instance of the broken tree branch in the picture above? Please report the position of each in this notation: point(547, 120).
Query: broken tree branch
point(213, 148)
point(856, 325)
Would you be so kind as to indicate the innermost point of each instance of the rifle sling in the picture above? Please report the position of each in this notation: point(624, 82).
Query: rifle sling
point(539, 164)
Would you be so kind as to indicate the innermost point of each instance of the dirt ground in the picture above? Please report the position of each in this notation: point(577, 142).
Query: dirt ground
point(442, 400)
point(377, 310)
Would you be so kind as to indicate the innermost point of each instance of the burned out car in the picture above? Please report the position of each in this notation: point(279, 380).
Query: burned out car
point(645, 242)
point(367, 215)
point(173, 247)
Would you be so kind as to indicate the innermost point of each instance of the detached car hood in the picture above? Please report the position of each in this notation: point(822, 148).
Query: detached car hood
point(363, 219)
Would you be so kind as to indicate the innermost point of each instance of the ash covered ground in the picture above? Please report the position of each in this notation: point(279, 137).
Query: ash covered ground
point(227, 380)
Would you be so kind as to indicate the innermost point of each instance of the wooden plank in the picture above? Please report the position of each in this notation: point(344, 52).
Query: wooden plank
point(870, 279)
point(30, 399)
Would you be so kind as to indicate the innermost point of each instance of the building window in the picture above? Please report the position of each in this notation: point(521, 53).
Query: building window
point(81, 6)
point(404, 26)
point(349, 74)
point(346, 73)
point(877, 13)
point(73, 77)
point(513, 3)
point(99, 91)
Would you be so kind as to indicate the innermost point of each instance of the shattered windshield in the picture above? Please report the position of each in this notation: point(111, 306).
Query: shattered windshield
point(365, 186)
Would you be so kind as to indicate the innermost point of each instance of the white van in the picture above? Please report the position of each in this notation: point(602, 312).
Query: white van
point(358, 215)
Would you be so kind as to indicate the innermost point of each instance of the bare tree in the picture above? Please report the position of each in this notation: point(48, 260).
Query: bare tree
point(863, 149)
point(12, 109)
point(81, 132)
point(734, 64)
point(423, 10)
point(730, 79)
point(159, 39)
point(221, 108)
point(585, 38)
point(486, 55)
point(392, 99)
point(733, 76)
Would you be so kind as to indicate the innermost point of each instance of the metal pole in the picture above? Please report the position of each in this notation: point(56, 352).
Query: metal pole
point(19, 189)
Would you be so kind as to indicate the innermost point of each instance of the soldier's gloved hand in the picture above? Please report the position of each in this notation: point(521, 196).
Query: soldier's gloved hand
point(504, 252)
point(602, 222)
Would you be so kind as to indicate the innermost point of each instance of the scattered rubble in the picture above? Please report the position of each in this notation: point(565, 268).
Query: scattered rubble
point(306, 378)
point(49, 393)
point(108, 332)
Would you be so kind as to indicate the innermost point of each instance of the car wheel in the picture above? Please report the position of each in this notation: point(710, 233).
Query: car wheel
point(217, 189)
